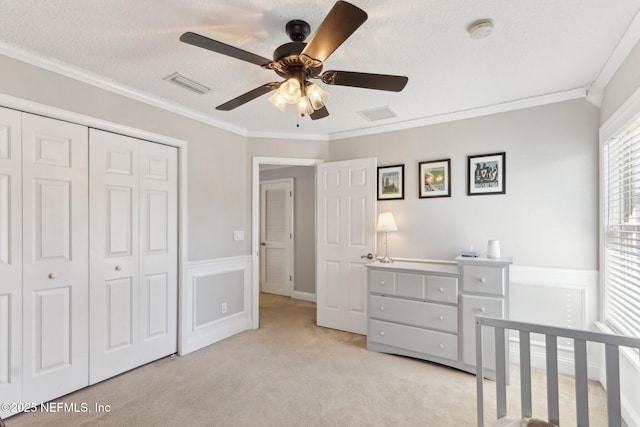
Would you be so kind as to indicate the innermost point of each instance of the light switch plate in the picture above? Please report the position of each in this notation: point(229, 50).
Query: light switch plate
point(238, 235)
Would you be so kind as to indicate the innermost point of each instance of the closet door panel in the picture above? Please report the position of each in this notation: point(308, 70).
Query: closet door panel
point(114, 295)
point(158, 259)
point(10, 257)
point(55, 257)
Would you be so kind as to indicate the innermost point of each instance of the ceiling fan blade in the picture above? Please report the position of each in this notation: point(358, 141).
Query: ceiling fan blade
point(248, 96)
point(319, 114)
point(222, 48)
point(341, 21)
point(365, 80)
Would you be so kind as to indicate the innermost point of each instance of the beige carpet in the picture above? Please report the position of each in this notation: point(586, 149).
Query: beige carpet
point(289, 373)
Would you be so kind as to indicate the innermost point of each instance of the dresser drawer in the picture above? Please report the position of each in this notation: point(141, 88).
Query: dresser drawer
point(444, 289)
point(416, 313)
point(382, 282)
point(424, 341)
point(410, 285)
point(483, 279)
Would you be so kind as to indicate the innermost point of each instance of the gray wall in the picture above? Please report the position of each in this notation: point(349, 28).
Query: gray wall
point(623, 83)
point(549, 214)
point(219, 161)
point(303, 222)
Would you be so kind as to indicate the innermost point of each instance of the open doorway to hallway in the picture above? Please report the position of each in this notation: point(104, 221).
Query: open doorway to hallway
point(277, 261)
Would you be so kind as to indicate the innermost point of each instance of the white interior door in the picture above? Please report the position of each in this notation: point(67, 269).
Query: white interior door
point(55, 258)
point(158, 251)
point(10, 257)
point(114, 289)
point(276, 237)
point(133, 298)
point(346, 209)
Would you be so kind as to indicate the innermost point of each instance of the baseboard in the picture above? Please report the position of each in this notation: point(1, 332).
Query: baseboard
point(305, 296)
point(217, 331)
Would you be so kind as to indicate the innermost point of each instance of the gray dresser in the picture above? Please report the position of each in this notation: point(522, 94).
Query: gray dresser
point(427, 310)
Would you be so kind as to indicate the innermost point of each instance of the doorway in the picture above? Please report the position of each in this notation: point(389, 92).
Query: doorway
point(279, 168)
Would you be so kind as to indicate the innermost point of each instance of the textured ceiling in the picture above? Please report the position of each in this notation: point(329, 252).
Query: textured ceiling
point(538, 47)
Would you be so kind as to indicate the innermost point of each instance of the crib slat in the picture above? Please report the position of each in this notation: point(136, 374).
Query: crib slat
point(553, 406)
point(582, 394)
point(613, 384)
point(525, 374)
point(501, 377)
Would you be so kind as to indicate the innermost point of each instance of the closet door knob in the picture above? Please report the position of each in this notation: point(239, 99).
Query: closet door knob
point(118, 267)
point(52, 275)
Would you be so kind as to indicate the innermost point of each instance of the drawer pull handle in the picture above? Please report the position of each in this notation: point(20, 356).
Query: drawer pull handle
point(382, 308)
point(441, 345)
point(381, 282)
point(441, 290)
point(483, 280)
point(381, 333)
point(52, 275)
point(441, 317)
point(483, 310)
point(118, 267)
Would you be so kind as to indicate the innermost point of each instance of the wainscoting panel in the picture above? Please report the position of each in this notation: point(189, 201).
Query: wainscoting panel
point(217, 301)
point(557, 297)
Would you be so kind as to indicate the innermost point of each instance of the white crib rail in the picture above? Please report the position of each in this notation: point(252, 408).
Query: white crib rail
point(611, 342)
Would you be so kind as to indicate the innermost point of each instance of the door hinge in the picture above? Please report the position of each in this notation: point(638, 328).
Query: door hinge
point(290, 193)
point(291, 235)
point(290, 278)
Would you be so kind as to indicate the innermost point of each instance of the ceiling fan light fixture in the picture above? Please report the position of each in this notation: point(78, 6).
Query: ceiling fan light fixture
point(316, 95)
point(304, 106)
point(277, 100)
point(290, 90)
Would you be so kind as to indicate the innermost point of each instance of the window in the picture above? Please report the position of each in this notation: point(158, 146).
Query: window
point(621, 221)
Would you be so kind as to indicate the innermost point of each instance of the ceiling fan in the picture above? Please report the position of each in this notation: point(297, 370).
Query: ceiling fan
point(298, 62)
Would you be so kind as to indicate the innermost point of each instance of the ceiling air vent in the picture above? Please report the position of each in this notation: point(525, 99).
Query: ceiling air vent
point(376, 114)
point(187, 83)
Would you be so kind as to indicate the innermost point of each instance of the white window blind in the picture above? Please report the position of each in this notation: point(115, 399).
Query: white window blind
point(622, 230)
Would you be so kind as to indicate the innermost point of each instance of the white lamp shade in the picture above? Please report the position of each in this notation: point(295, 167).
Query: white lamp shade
point(386, 223)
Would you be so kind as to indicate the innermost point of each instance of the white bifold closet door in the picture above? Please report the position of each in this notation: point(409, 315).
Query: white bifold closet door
point(10, 257)
point(55, 258)
point(133, 216)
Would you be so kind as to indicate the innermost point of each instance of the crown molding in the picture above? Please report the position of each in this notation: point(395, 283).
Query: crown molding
point(113, 86)
point(120, 89)
point(466, 114)
point(626, 43)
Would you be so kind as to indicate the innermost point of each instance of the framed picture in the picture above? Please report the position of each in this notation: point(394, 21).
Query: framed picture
point(391, 182)
point(434, 178)
point(486, 174)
